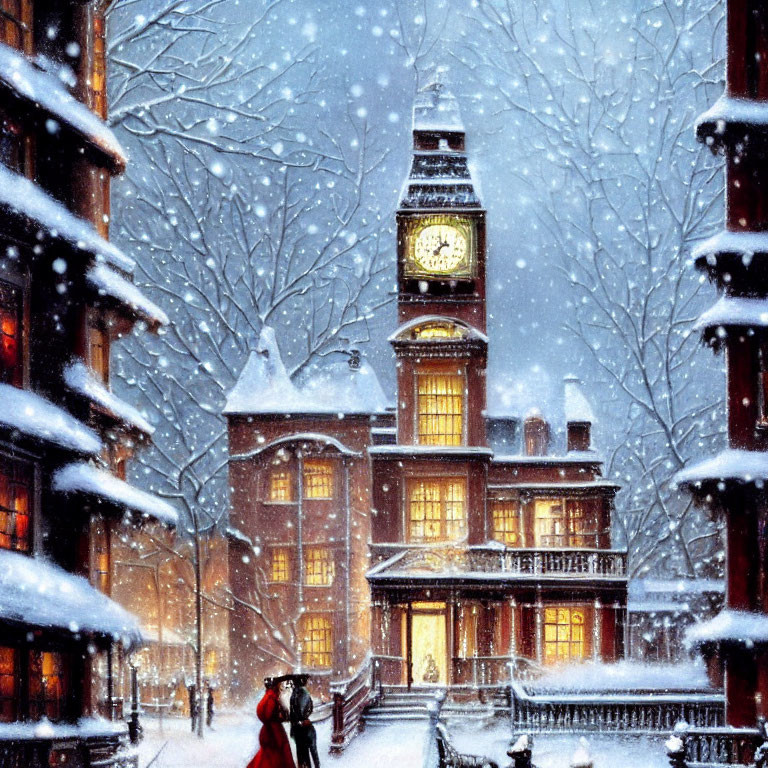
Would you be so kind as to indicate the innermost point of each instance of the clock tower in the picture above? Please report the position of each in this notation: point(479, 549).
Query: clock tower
point(440, 221)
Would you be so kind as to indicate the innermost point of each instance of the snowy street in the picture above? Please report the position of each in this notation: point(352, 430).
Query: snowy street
point(234, 741)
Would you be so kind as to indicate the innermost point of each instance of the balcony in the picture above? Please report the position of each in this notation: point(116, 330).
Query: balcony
point(493, 562)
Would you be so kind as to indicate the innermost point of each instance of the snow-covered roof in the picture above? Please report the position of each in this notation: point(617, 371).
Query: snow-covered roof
point(403, 333)
point(735, 311)
point(574, 457)
point(84, 478)
point(435, 108)
point(36, 417)
point(79, 378)
point(30, 82)
point(38, 593)
point(744, 244)
point(113, 285)
point(730, 464)
point(456, 451)
point(577, 407)
point(264, 386)
point(742, 627)
point(23, 198)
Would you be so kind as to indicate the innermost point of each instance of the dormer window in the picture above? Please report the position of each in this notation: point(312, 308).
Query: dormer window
point(11, 329)
point(440, 411)
point(438, 330)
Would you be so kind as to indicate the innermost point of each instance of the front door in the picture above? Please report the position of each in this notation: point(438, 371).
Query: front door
point(429, 648)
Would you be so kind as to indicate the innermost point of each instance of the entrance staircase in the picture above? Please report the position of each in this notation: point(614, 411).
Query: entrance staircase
point(398, 704)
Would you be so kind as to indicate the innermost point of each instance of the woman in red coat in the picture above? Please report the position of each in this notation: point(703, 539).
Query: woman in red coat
point(274, 749)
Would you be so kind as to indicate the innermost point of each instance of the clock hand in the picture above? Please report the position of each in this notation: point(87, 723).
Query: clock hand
point(444, 244)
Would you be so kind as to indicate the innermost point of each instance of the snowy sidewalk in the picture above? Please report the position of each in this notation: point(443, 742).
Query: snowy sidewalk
point(234, 741)
point(235, 738)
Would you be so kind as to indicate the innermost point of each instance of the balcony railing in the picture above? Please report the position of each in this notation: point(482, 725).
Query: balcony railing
point(584, 563)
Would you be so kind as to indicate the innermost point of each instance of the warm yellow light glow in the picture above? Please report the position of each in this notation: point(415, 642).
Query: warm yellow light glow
point(506, 523)
point(318, 479)
point(280, 485)
point(549, 523)
point(441, 409)
point(564, 638)
point(437, 509)
point(429, 648)
point(281, 571)
point(316, 642)
point(318, 567)
point(439, 331)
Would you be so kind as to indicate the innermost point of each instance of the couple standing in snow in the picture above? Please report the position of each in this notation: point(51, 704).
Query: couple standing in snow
point(286, 698)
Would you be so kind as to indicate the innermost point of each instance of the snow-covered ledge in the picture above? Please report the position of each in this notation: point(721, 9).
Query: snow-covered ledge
point(111, 284)
point(730, 465)
point(43, 730)
point(38, 418)
point(729, 626)
point(42, 594)
point(738, 311)
point(84, 478)
point(744, 244)
point(79, 378)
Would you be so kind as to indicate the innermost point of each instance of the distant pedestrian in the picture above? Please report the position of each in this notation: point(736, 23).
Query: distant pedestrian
point(209, 703)
point(302, 730)
point(193, 705)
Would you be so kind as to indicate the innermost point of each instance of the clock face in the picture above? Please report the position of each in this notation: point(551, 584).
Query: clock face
point(440, 246)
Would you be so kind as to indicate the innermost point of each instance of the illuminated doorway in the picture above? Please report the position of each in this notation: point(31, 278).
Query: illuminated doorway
point(428, 644)
point(564, 635)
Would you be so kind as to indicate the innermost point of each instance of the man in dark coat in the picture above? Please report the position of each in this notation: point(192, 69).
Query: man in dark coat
point(302, 730)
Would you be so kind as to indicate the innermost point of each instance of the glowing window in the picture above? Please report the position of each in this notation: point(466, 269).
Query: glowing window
point(549, 523)
point(281, 565)
point(582, 525)
point(564, 636)
point(318, 479)
point(11, 371)
point(48, 685)
point(437, 509)
point(439, 331)
point(318, 567)
point(8, 685)
point(280, 485)
point(441, 409)
point(506, 523)
point(15, 495)
point(316, 642)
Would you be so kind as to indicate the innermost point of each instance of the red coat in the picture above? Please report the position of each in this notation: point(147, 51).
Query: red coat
point(274, 749)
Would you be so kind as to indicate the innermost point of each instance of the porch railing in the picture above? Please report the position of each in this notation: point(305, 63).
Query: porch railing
point(589, 563)
point(350, 698)
point(632, 713)
point(93, 752)
point(712, 747)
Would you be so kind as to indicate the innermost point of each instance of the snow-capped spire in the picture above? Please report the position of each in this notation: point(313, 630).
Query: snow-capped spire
point(264, 382)
point(435, 107)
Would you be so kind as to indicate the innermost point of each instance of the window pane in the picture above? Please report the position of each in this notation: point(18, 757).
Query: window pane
point(10, 334)
point(280, 565)
point(549, 522)
point(441, 409)
point(15, 494)
point(506, 523)
point(280, 485)
point(437, 509)
point(8, 685)
point(316, 639)
point(563, 635)
point(317, 478)
point(318, 567)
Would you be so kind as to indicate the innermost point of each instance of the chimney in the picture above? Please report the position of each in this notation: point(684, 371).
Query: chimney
point(535, 434)
point(578, 416)
point(354, 359)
